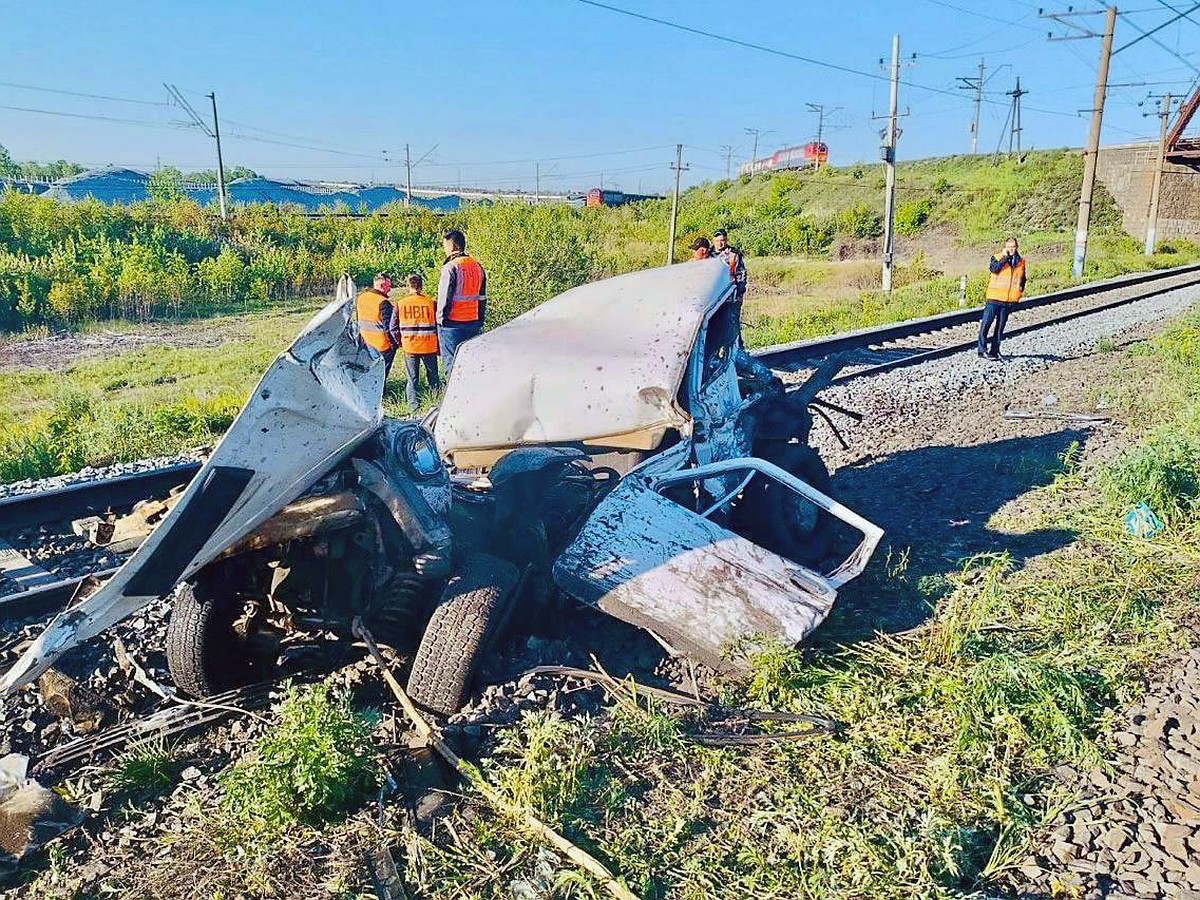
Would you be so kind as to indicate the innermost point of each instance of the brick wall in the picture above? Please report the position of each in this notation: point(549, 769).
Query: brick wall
point(1127, 170)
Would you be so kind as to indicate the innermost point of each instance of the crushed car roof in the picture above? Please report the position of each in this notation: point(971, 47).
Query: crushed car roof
point(600, 364)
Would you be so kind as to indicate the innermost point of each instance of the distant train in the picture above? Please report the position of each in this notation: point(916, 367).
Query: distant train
point(803, 156)
point(601, 197)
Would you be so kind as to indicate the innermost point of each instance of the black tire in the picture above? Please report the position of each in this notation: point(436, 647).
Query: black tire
point(205, 653)
point(468, 618)
point(782, 521)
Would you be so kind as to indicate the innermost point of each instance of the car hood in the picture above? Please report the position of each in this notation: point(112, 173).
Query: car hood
point(318, 400)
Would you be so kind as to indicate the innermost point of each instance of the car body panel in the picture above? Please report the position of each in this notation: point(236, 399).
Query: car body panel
point(601, 364)
point(317, 402)
point(703, 589)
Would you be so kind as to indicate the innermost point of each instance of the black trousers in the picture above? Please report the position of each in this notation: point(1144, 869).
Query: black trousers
point(991, 327)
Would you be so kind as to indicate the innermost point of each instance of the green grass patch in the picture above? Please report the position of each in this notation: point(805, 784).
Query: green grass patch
point(147, 766)
point(316, 761)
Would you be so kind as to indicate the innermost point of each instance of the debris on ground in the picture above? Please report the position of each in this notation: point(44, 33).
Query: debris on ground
point(30, 814)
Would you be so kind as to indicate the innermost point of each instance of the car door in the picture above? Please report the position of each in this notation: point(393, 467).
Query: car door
point(703, 589)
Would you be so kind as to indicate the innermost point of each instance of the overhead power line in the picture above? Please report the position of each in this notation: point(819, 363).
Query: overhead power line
point(775, 51)
point(149, 123)
point(108, 97)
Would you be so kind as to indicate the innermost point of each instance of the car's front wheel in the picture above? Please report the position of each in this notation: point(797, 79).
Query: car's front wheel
point(207, 646)
point(468, 618)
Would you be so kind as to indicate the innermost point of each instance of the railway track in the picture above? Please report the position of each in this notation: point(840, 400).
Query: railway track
point(867, 352)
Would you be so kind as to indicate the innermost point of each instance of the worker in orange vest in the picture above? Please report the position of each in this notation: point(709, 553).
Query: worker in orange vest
point(461, 297)
point(1005, 288)
point(378, 325)
point(732, 257)
point(418, 338)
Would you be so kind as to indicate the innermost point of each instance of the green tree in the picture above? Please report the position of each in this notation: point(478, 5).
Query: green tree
point(166, 185)
point(8, 169)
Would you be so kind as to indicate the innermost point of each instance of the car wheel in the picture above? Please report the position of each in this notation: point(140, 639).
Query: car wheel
point(781, 520)
point(206, 654)
point(468, 618)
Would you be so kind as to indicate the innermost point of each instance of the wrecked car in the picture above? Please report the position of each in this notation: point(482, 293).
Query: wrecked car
point(614, 446)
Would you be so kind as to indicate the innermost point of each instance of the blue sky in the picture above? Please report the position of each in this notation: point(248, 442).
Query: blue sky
point(500, 87)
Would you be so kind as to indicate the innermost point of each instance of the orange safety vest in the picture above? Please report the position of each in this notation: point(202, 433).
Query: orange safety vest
point(1005, 285)
point(368, 306)
point(418, 324)
point(468, 290)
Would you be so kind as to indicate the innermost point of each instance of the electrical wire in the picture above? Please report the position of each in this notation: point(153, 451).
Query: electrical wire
point(108, 97)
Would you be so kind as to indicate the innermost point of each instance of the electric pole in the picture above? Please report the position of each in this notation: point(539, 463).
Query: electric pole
point(213, 132)
point(678, 168)
point(1152, 219)
point(220, 162)
point(754, 153)
point(408, 178)
point(889, 158)
point(537, 183)
point(727, 151)
point(1015, 133)
point(1093, 147)
point(819, 109)
point(1092, 151)
point(974, 84)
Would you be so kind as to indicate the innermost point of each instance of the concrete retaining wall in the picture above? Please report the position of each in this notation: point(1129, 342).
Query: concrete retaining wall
point(1127, 170)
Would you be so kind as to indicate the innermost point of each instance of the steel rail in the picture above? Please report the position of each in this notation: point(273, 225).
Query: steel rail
point(72, 501)
point(787, 357)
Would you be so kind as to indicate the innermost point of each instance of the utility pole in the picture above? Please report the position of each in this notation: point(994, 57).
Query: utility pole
point(889, 158)
point(678, 168)
point(727, 150)
point(537, 183)
point(213, 132)
point(1092, 151)
point(220, 161)
point(757, 132)
point(974, 84)
point(1015, 132)
point(408, 179)
point(1152, 219)
point(819, 109)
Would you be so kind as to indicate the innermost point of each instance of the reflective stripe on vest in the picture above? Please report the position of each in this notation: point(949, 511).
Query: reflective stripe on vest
point(1005, 286)
point(368, 306)
point(468, 287)
point(418, 324)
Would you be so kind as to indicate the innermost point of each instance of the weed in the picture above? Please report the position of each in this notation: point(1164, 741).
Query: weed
point(1163, 473)
point(146, 766)
point(315, 762)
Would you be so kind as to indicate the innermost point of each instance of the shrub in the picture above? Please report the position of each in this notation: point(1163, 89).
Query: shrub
point(859, 221)
point(912, 215)
point(315, 762)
